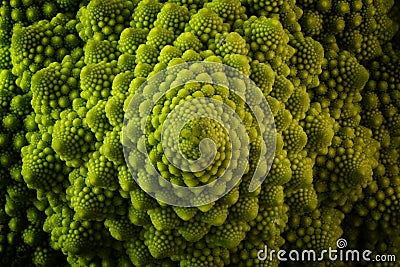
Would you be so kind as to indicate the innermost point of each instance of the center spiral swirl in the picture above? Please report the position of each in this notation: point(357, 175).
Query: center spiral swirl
point(192, 132)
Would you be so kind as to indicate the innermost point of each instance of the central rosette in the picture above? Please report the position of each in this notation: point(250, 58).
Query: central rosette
point(195, 145)
point(210, 136)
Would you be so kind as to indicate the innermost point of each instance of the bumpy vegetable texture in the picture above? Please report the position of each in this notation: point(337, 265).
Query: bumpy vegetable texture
point(329, 69)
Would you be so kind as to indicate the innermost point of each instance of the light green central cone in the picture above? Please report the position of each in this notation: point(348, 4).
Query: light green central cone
point(210, 136)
